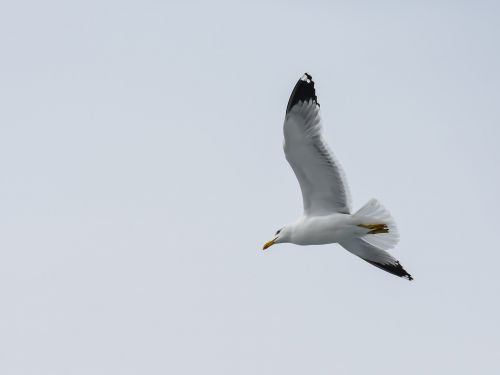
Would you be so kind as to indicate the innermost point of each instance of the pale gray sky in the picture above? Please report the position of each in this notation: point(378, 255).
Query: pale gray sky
point(141, 170)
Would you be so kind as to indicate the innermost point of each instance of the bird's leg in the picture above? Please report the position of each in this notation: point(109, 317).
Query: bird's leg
point(375, 228)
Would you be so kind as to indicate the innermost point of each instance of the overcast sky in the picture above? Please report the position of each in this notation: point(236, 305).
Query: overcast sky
point(141, 170)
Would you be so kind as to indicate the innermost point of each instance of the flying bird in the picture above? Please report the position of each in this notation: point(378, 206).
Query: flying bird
point(367, 233)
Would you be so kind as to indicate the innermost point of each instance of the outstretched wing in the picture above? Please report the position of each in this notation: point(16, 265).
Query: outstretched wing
point(321, 178)
point(373, 255)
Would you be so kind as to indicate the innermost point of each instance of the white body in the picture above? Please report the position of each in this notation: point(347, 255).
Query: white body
point(320, 230)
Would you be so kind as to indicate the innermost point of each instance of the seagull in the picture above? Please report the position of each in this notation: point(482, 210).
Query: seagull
point(327, 218)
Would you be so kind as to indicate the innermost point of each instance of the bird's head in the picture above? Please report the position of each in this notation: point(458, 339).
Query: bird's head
point(280, 236)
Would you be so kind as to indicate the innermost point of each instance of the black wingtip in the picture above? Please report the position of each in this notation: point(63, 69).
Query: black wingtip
point(407, 276)
point(303, 91)
point(396, 269)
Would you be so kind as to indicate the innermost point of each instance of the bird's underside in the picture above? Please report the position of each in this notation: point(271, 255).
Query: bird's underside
point(325, 192)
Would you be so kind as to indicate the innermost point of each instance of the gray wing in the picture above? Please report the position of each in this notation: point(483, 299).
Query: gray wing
point(321, 178)
point(375, 256)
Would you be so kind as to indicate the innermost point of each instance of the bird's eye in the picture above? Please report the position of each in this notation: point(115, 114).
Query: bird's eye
point(277, 232)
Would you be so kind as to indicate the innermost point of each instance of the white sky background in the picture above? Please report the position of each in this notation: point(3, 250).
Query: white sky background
point(141, 170)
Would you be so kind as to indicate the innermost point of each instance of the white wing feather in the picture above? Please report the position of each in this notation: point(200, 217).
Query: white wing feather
point(321, 178)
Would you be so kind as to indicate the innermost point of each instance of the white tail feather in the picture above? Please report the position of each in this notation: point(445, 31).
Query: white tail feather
point(375, 213)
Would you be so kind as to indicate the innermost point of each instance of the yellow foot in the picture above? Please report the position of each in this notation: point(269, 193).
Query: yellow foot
point(375, 228)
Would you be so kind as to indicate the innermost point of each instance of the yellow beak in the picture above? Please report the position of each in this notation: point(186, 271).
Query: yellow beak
point(268, 244)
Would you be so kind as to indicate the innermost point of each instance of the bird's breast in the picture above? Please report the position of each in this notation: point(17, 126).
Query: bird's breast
point(322, 230)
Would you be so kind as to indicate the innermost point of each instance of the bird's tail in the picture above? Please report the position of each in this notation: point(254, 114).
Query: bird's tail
point(383, 232)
